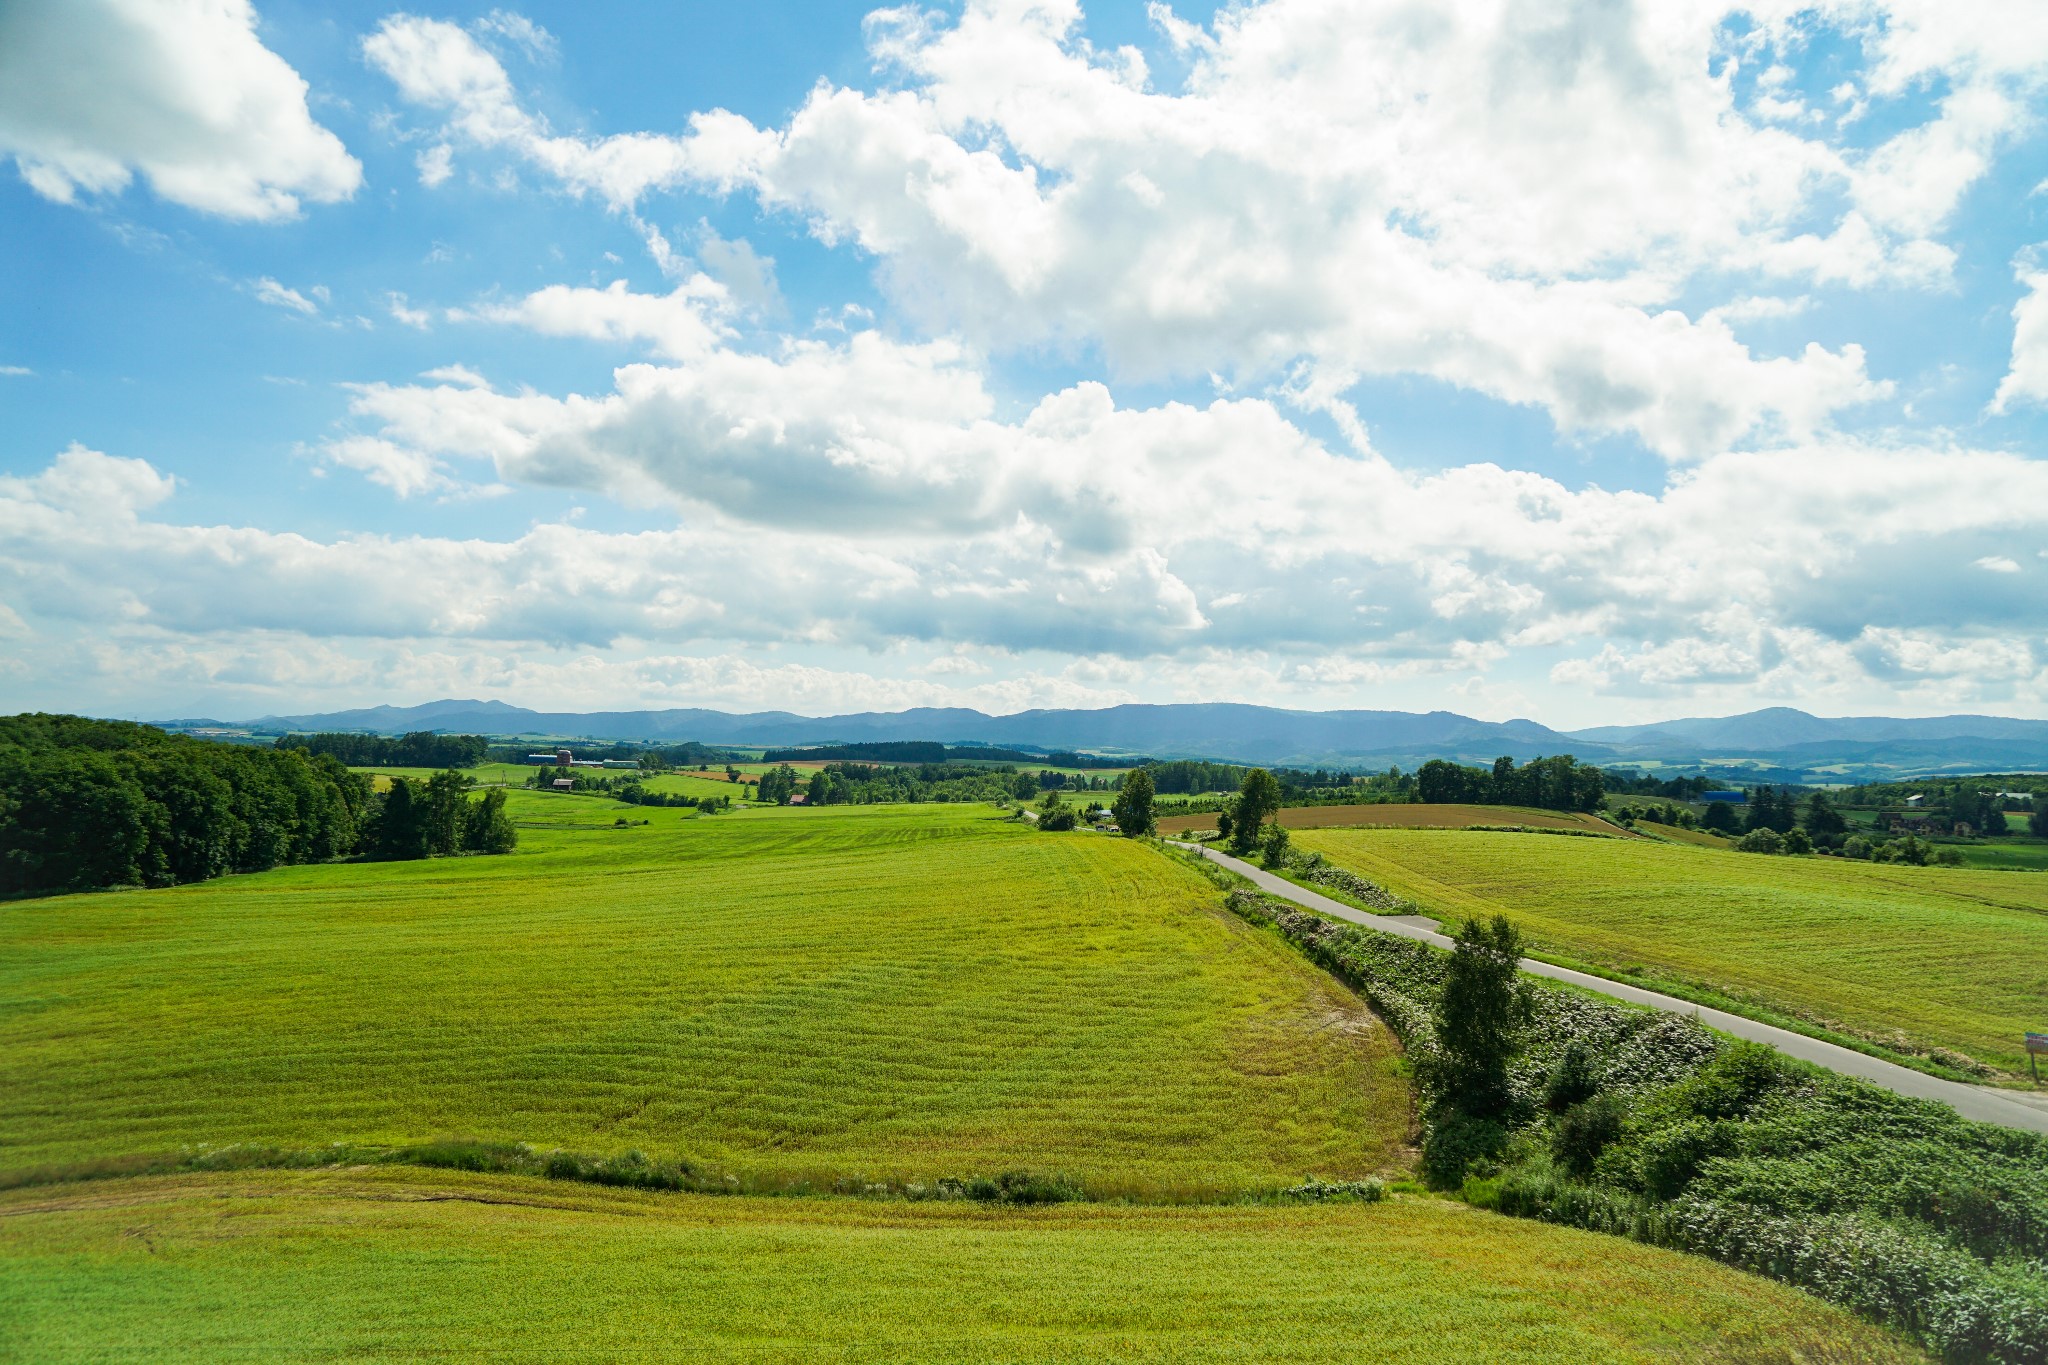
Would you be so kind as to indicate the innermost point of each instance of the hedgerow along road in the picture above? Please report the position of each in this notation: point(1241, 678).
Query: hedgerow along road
point(1972, 1102)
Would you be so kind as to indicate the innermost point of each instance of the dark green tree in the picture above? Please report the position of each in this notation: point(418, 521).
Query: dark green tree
point(1257, 800)
point(1720, 816)
point(1054, 814)
point(1821, 818)
point(487, 828)
point(1132, 809)
point(1485, 1006)
point(444, 810)
point(401, 831)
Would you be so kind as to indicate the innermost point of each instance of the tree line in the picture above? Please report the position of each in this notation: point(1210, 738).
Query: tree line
point(89, 803)
point(1559, 783)
point(421, 749)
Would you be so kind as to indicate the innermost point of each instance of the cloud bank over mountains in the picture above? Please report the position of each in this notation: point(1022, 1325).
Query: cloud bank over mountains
point(1631, 218)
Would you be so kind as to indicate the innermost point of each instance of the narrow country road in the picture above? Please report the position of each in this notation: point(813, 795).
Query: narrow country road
point(1972, 1102)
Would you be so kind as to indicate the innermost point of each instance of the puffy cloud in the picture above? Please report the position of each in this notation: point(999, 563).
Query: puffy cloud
point(440, 65)
point(1172, 563)
point(2027, 380)
point(1248, 535)
point(686, 322)
point(1509, 196)
point(183, 91)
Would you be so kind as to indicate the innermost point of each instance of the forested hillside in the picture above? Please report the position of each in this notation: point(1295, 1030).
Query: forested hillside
point(90, 803)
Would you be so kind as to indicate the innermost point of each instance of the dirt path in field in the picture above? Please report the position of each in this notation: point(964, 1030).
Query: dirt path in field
point(1971, 1101)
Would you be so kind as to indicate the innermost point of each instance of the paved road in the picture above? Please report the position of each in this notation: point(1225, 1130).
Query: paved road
point(1972, 1102)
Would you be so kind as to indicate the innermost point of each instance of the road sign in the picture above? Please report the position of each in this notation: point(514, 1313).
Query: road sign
point(2037, 1045)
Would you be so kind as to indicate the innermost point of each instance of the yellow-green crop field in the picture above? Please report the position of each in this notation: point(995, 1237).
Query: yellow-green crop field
point(1916, 956)
point(384, 1265)
point(695, 784)
point(882, 992)
point(790, 998)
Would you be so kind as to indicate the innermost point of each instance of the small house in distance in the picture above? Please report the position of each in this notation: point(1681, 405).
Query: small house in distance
point(799, 799)
point(1732, 798)
point(564, 784)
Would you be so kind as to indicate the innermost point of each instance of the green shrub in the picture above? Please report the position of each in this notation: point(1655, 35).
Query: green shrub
point(1459, 1145)
point(1583, 1132)
point(1572, 1081)
point(1023, 1187)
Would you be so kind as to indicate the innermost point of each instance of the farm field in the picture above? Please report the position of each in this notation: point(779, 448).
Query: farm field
point(386, 1265)
point(2019, 855)
point(485, 774)
point(1678, 834)
point(890, 993)
point(695, 784)
point(1919, 956)
point(1407, 816)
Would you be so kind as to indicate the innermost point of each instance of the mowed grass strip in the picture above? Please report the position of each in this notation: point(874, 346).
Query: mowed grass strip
point(892, 993)
point(1409, 816)
point(384, 1266)
point(1937, 956)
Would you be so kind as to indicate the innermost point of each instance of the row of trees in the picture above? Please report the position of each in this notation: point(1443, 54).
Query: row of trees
point(1559, 783)
point(436, 817)
point(625, 786)
point(421, 749)
point(86, 803)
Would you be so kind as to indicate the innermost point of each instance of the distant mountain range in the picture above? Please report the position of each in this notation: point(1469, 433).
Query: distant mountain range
point(1778, 742)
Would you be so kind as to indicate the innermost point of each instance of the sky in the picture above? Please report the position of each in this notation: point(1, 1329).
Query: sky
point(1584, 360)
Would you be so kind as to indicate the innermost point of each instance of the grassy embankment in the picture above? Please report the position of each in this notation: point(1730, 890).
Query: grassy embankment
point(1907, 958)
point(1407, 816)
point(888, 994)
point(388, 1264)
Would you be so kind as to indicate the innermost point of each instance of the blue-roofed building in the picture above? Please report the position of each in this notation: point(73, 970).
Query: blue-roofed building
point(1732, 798)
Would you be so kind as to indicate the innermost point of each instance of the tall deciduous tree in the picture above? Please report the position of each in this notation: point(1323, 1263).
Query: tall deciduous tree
point(1485, 1007)
point(1133, 807)
point(1256, 802)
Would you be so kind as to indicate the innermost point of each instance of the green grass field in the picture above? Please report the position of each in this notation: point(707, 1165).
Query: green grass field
point(1406, 815)
point(1914, 956)
point(882, 992)
point(387, 1265)
point(2016, 855)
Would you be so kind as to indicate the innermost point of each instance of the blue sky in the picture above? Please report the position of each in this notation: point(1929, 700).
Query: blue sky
point(1589, 362)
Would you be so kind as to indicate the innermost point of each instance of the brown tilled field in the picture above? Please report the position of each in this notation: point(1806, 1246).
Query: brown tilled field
point(1409, 817)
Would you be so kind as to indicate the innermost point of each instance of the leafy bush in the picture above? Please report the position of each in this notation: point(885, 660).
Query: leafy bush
point(1458, 1145)
point(1761, 841)
point(1023, 1187)
point(1572, 1081)
point(1318, 1191)
point(1583, 1132)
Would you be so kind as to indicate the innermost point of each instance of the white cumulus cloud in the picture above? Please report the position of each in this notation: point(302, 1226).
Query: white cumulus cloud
point(182, 91)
